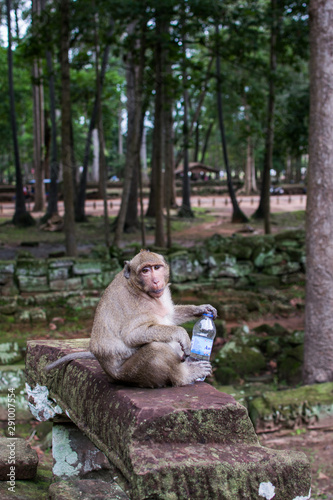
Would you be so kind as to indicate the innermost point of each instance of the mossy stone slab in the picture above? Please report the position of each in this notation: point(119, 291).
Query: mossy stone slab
point(170, 443)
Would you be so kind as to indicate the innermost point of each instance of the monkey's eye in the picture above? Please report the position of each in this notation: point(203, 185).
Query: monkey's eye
point(157, 267)
point(145, 270)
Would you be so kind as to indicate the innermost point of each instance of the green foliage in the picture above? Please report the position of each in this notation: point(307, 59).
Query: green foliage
point(244, 32)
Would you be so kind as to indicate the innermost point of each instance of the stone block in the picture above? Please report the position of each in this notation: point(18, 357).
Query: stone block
point(11, 376)
point(37, 315)
point(170, 443)
point(183, 268)
point(9, 290)
point(58, 285)
point(22, 411)
point(73, 284)
point(17, 460)
point(79, 303)
point(6, 279)
point(58, 273)
point(33, 283)
point(93, 281)
point(31, 267)
point(23, 316)
point(10, 352)
point(87, 267)
point(263, 280)
point(60, 263)
point(87, 489)
point(9, 308)
point(7, 267)
point(308, 406)
point(74, 454)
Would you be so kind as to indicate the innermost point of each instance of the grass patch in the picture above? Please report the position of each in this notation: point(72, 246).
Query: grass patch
point(288, 219)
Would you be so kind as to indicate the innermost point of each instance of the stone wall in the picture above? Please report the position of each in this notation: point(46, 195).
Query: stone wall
point(237, 261)
point(243, 262)
point(32, 276)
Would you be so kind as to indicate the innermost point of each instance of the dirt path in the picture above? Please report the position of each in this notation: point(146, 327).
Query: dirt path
point(318, 447)
point(220, 205)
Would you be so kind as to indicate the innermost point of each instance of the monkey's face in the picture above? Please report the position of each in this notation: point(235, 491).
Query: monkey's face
point(152, 278)
point(149, 272)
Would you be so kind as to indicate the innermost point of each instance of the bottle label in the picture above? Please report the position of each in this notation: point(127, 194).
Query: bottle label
point(207, 324)
point(201, 345)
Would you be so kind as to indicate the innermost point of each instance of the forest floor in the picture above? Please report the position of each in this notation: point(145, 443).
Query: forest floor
point(213, 216)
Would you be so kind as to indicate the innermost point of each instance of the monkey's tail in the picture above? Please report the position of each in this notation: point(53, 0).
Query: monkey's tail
point(68, 358)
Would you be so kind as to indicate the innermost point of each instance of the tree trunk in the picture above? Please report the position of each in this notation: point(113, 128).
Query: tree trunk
point(120, 133)
point(238, 215)
point(205, 144)
point(134, 79)
point(95, 156)
point(298, 169)
point(102, 182)
point(66, 153)
point(21, 216)
point(195, 117)
point(318, 352)
point(161, 30)
point(250, 175)
point(169, 174)
point(80, 215)
point(39, 125)
point(52, 206)
point(131, 222)
point(263, 210)
point(185, 210)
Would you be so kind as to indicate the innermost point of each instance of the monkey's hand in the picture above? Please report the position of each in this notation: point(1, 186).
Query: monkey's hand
point(205, 309)
point(181, 336)
point(186, 347)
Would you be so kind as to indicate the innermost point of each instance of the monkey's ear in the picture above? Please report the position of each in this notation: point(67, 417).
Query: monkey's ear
point(127, 269)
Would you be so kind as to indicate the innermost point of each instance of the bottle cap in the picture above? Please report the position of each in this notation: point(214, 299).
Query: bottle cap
point(210, 315)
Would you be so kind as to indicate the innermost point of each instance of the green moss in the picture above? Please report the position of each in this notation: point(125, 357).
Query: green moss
point(301, 406)
point(236, 360)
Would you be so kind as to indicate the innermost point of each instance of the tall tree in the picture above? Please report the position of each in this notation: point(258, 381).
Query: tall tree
point(185, 210)
point(39, 122)
point(134, 78)
point(237, 214)
point(52, 205)
point(263, 210)
point(161, 32)
point(169, 173)
point(318, 352)
point(134, 62)
point(81, 195)
point(66, 149)
point(21, 216)
point(102, 184)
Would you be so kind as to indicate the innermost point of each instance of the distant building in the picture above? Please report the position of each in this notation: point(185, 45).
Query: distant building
point(199, 171)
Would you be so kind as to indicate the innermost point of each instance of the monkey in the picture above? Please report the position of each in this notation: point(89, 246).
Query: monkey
point(136, 336)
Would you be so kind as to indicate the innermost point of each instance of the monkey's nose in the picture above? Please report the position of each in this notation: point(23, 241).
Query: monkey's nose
point(156, 279)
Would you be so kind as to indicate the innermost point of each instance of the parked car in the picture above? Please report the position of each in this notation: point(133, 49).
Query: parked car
point(276, 190)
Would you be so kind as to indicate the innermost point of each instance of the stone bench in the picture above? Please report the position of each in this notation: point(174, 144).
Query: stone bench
point(190, 442)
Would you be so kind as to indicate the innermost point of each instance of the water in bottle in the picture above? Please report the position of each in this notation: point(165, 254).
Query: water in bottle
point(203, 335)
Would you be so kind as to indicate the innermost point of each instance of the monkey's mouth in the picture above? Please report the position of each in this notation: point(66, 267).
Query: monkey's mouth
point(157, 293)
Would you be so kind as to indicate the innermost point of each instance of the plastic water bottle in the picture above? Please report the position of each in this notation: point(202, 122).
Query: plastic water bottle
point(203, 335)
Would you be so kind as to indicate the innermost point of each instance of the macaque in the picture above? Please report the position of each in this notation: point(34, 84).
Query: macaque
point(135, 334)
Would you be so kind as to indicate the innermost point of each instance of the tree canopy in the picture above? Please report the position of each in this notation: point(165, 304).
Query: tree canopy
point(125, 37)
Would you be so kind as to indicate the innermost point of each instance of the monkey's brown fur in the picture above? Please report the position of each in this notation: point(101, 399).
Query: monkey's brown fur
point(135, 335)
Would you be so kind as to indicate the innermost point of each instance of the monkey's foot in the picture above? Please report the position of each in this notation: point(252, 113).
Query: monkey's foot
point(200, 369)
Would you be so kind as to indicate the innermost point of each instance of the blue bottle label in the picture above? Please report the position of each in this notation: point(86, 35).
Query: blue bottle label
point(201, 345)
